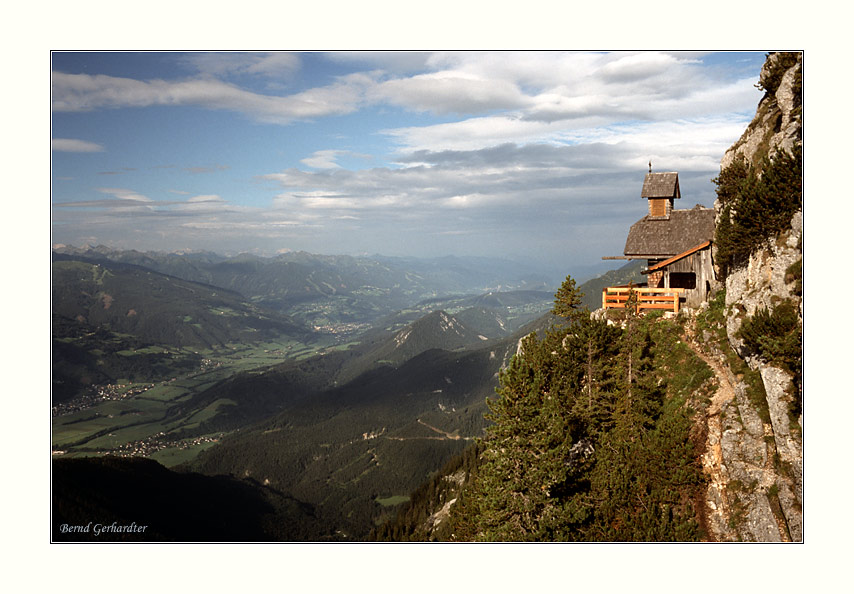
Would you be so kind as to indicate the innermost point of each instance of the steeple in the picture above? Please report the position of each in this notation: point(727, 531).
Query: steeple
point(660, 189)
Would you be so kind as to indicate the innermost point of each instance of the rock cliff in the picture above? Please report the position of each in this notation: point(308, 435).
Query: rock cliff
point(777, 123)
point(754, 446)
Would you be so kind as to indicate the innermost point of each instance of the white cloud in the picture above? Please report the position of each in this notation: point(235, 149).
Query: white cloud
point(323, 159)
point(551, 96)
point(206, 198)
point(451, 92)
point(471, 133)
point(641, 66)
point(536, 86)
point(125, 194)
point(554, 86)
point(484, 132)
point(275, 64)
point(328, 158)
point(84, 92)
point(73, 145)
point(485, 190)
point(202, 204)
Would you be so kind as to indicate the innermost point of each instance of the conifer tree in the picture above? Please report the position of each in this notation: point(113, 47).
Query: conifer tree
point(600, 345)
point(568, 301)
point(524, 451)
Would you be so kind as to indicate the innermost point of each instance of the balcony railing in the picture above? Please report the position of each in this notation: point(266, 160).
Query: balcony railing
point(647, 298)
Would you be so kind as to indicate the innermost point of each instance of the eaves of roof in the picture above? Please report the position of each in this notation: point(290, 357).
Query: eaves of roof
point(677, 257)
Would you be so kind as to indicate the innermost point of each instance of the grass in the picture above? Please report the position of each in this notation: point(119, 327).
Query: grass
point(64, 436)
point(170, 457)
point(149, 350)
point(133, 419)
point(687, 372)
point(210, 411)
point(393, 500)
point(138, 417)
point(165, 393)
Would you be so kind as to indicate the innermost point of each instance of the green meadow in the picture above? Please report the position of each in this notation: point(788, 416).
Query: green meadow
point(164, 407)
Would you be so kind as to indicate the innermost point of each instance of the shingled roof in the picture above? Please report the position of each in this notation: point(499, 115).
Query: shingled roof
point(661, 185)
point(684, 230)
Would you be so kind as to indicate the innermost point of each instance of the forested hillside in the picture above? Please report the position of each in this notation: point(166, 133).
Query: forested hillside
point(356, 451)
point(592, 438)
point(158, 308)
point(122, 323)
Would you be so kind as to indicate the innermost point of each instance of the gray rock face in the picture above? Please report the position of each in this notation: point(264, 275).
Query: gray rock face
point(748, 468)
point(761, 462)
point(756, 466)
point(748, 497)
point(777, 124)
point(762, 283)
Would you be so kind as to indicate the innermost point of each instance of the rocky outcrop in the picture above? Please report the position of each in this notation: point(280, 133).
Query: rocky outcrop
point(760, 442)
point(763, 283)
point(777, 124)
point(754, 445)
point(744, 489)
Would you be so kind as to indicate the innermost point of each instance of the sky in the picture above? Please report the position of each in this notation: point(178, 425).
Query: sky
point(532, 156)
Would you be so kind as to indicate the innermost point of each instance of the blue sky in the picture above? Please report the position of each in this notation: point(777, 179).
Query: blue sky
point(537, 156)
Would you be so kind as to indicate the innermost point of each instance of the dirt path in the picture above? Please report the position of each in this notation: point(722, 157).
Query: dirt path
point(725, 391)
point(445, 433)
point(712, 458)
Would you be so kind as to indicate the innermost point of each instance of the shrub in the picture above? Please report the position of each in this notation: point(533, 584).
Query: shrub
point(757, 204)
point(794, 274)
point(773, 75)
point(775, 335)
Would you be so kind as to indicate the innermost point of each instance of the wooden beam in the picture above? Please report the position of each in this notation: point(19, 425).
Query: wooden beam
point(654, 290)
point(679, 256)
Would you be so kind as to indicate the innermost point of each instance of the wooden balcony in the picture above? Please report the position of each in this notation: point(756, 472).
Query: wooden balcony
point(647, 298)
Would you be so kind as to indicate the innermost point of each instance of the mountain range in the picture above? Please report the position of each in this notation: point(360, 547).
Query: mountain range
point(332, 422)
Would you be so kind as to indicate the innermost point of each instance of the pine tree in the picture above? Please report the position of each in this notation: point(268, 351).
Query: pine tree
point(568, 302)
point(520, 490)
point(600, 344)
point(525, 449)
